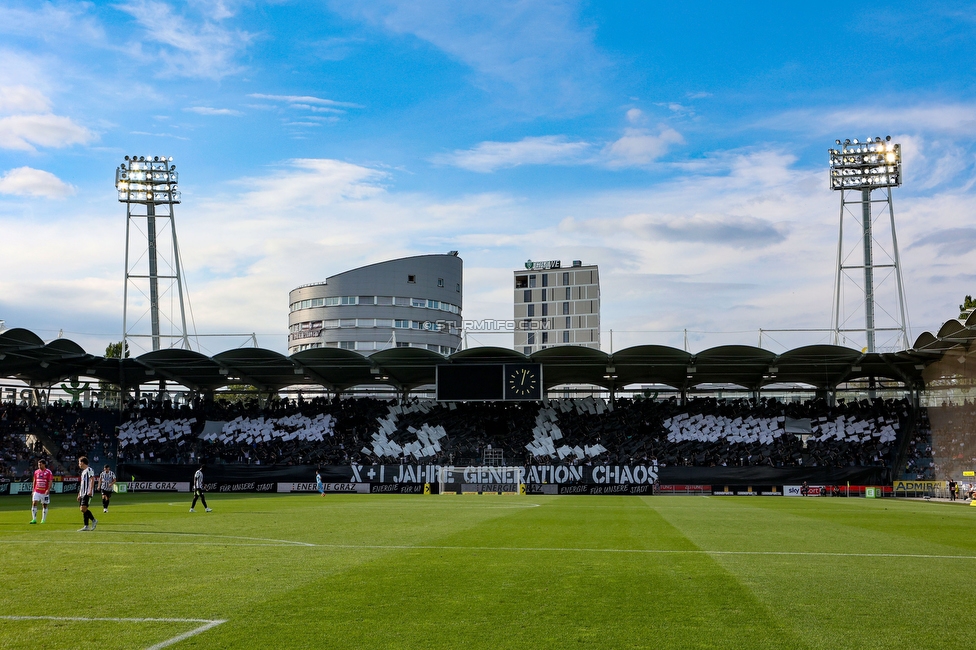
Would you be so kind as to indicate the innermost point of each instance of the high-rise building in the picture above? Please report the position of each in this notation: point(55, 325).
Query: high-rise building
point(409, 302)
point(556, 305)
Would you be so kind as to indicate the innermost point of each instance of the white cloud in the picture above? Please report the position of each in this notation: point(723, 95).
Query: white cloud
point(190, 48)
point(26, 181)
point(640, 146)
point(635, 115)
point(22, 99)
point(23, 132)
point(50, 22)
point(298, 100)
point(861, 121)
point(490, 156)
point(207, 110)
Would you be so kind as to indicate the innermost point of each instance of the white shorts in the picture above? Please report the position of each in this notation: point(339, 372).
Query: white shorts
point(37, 497)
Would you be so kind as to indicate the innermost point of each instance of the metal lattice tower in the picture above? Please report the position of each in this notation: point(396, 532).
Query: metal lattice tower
point(857, 171)
point(148, 187)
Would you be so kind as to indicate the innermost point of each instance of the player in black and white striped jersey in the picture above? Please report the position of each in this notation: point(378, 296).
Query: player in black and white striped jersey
point(198, 490)
point(106, 483)
point(86, 487)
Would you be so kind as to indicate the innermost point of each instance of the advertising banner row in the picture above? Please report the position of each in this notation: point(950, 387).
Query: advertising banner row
point(413, 487)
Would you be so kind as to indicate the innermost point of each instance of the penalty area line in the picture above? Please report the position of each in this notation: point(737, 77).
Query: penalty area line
point(207, 624)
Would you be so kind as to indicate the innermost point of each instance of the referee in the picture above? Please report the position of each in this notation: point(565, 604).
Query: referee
point(198, 490)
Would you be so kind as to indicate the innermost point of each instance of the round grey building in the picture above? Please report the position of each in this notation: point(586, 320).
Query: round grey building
point(409, 302)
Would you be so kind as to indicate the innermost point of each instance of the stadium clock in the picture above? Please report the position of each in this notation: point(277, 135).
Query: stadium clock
point(523, 381)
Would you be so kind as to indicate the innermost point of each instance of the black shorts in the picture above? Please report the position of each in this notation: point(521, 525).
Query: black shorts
point(106, 494)
point(198, 492)
point(85, 501)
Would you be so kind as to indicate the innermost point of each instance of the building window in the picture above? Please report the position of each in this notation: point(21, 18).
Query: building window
point(545, 279)
point(531, 281)
point(412, 279)
point(526, 351)
point(545, 309)
point(565, 278)
point(526, 324)
point(367, 300)
point(569, 293)
point(569, 322)
point(527, 295)
point(402, 344)
point(545, 337)
point(347, 322)
point(531, 338)
point(347, 345)
point(418, 302)
point(566, 309)
point(530, 310)
point(433, 304)
point(457, 287)
point(440, 282)
point(384, 300)
point(401, 324)
point(566, 336)
point(521, 281)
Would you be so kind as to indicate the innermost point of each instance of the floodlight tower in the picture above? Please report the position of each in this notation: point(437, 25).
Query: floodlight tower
point(148, 187)
point(858, 168)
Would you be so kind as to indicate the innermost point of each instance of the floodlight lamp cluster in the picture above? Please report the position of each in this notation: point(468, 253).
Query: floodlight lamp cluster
point(865, 165)
point(147, 179)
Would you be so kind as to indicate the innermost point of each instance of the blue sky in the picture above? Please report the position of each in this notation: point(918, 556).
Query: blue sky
point(681, 148)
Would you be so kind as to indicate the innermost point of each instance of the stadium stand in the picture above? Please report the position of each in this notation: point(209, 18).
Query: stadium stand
point(704, 432)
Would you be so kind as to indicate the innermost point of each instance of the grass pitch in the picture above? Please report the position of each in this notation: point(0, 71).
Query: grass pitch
point(387, 571)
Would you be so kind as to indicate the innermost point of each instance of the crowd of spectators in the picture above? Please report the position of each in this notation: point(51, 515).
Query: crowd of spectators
point(59, 432)
point(954, 438)
point(702, 432)
point(919, 462)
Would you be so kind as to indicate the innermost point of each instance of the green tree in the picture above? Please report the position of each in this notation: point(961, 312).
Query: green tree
point(114, 350)
point(111, 393)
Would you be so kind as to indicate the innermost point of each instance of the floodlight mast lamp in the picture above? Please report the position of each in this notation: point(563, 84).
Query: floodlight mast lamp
point(859, 168)
point(150, 181)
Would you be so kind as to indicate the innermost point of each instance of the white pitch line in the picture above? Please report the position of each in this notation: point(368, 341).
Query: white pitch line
point(639, 551)
point(510, 549)
point(274, 542)
point(186, 635)
point(207, 624)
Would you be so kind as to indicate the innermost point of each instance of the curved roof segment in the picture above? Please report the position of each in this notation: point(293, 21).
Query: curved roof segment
point(23, 355)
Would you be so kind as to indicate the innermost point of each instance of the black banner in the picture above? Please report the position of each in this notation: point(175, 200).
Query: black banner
point(761, 475)
point(718, 477)
point(397, 474)
point(4, 488)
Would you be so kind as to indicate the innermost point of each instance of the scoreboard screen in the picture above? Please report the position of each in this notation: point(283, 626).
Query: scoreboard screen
point(489, 382)
point(470, 382)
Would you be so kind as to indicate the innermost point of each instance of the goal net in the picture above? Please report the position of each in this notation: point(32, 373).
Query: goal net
point(481, 480)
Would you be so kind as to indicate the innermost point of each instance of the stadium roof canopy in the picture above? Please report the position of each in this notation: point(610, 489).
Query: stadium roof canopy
point(24, 356)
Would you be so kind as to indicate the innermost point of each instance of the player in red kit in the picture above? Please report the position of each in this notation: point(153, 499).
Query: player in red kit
point(41, 494)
